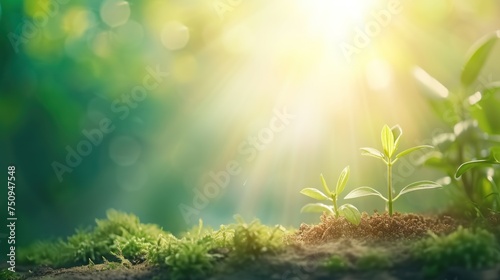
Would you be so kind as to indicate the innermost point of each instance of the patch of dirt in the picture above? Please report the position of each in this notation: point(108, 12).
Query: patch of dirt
point(97, 272)
point(377, 227)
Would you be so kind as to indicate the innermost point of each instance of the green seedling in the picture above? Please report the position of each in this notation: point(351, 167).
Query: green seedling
point(349, 211)
point(390, 143)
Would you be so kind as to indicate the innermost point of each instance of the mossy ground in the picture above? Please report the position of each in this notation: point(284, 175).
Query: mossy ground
point(405, 246)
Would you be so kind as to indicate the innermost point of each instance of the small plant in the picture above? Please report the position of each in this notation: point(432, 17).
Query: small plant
point(390, 143)
point(470, 248)
point(349, 211)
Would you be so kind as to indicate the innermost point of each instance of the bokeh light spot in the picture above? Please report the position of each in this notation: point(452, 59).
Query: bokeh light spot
point(174, 35)
point(101, 44)
point(129, 34)
point(77, 21)
point(124, 150)
point(115, 12)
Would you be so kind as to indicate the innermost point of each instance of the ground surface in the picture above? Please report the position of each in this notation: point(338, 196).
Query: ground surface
point(304, 257)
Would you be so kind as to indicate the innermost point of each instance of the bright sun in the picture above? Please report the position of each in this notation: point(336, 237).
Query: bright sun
point(334, 19)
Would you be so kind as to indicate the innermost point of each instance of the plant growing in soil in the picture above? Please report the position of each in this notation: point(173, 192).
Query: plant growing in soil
point(349, 211)
point(390, 143)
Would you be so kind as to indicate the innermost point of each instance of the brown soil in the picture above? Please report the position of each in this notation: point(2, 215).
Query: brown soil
point(378, 227)
point(97, 272)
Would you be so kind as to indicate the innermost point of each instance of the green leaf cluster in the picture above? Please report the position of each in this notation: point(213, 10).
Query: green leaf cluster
point(349, 211)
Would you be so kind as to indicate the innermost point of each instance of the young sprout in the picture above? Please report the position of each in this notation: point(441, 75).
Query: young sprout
point(350, 212)
point(390, 144)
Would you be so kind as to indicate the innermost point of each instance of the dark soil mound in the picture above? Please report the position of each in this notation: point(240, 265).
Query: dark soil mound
point(378, 227)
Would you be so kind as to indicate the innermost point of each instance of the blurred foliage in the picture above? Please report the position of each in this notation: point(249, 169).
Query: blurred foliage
point(471, 142)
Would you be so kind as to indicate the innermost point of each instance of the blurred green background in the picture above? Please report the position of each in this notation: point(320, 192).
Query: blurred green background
point(67, 66)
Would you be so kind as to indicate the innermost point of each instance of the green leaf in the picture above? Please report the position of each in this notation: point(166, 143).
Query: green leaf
point(397, 131)
point(478, 57)
point(371, 152)
point(364, 191)
point(351, 213)
point(411, 150)
point(314, 193)
point(416, 186)
point(317, 207)
point(472, 164)
point(495, 154)
point(325, 186)
point(343, 178)
point(387, 141)
point(490, 89)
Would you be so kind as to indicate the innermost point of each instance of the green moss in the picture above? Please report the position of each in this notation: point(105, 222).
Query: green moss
point(254, 239)
point(470, 248)
point(123, 240)
point(189, 256)
point(373, 260)
point(196, 252)
point(6, 274)
point(336, 263)
point(120, 232)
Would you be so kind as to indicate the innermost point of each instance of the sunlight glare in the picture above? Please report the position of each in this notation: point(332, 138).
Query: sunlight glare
point(431, 83)
point(334, 19)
